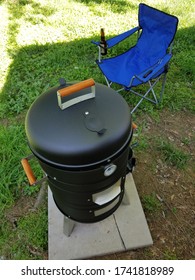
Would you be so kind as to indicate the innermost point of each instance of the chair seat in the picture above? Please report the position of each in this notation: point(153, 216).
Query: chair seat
point(122, 68)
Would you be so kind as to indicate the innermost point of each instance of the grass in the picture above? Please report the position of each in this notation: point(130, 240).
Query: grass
point(10, 153)
point(28, 240)
point(172, 154)
point(170, 255)
point(151, 203)
point(41, 41)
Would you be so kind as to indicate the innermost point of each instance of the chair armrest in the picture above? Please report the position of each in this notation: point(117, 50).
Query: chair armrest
point(117, 39)
point(153, 70)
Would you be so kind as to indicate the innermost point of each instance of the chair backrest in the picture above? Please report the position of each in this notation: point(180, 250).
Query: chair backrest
point(158, 31)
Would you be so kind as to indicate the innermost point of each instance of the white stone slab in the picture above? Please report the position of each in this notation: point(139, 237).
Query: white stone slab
point(124, 230)
point(131, 220)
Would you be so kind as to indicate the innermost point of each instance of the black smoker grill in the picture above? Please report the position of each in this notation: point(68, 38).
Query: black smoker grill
point(80, 134)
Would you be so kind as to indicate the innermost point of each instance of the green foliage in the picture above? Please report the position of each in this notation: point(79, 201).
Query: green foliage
point(172, 154)
point(151, 203)
point(12, 149)
point(34, 227)
point(11, 152)
point(168, 255)
point(140, 139)
point(28, 240)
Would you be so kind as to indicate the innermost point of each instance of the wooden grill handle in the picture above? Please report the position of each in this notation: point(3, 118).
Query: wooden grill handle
point(28, 170)
point(134, 126)
point(76, 87)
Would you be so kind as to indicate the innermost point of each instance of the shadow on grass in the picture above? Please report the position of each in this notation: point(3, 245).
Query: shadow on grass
point(36, 68)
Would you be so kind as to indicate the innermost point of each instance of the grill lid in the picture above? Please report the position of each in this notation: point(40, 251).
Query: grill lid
point(88, 124)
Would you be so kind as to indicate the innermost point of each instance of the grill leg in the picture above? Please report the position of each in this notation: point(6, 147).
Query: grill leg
point(126, 200)
point(68, 226)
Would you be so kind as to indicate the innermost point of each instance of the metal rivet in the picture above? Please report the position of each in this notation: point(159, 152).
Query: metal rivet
point(86, 113)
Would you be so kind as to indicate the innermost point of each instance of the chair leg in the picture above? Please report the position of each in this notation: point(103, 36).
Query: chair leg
point(120, 89)
point(143, 97)
point(152, 90)
point(163, 87)
point(108, 83)
point(155, 100)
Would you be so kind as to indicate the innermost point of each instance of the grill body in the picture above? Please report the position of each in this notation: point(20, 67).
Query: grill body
point(83, 149)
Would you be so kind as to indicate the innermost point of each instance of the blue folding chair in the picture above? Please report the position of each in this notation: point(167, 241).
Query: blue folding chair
point(147, 61)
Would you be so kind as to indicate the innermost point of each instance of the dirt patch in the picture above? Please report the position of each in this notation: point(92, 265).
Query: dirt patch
point(172, 223)
point(26, 204)
point(22, 207)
